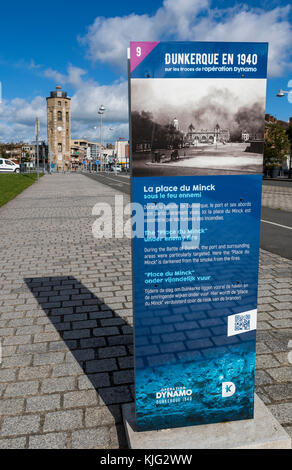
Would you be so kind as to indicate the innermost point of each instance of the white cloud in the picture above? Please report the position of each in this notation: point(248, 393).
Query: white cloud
point(73, 76)
point(17, 117)
point(108, 38)
point(90, 96)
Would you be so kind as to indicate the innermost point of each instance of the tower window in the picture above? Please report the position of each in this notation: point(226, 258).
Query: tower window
point(59, 103)
point(59, 147)
point(59, 115)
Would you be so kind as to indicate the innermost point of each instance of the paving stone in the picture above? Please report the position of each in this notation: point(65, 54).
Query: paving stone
point(91, 438)
point(123, 377)
point(15, 443)
point(113, 351)
point(61, 384)
point(11, 340)
point(48, 358)
point(78, 399)
point(56, 440)
point(266, 360)
point(32, 348)
point(67, 369)
point(7, 375)
point(43, 403)
point(19, 425)
point(90, 381)
point(281, 374)
point(113, 395)
point(63, 420)
point(279, 392)
point(19, 389)
point(107, 331)
point(282, 412)
point(102, 365)
point(262, 378)
point(76, 334)
point(12, 406)
point(38, 372)
point(102, 416)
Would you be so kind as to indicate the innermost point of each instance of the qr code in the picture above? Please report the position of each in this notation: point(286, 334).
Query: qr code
point(242, 322)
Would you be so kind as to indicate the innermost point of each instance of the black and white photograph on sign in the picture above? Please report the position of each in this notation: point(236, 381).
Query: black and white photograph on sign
point(197, 127)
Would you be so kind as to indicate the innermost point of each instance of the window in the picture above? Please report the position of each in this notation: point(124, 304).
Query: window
point(59, 103)
point(59, 115)
point(59, 148)
point(1, 162)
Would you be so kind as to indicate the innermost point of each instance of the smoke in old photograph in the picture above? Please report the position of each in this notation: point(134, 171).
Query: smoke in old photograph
point(197, 127)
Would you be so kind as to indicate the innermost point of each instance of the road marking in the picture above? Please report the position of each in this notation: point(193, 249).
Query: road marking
point(116, 181)
point(278, 225)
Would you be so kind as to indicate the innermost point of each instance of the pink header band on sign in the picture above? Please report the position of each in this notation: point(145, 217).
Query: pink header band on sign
point(140, 50)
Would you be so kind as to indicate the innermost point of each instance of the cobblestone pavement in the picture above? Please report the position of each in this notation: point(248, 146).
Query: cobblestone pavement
point(277, 197)
point(66, 322)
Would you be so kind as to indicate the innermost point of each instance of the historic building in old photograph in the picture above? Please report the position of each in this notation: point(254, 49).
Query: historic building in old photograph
point(206, 136)
point(59, 129)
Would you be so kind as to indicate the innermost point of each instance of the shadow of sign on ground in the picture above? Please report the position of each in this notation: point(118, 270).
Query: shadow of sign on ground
point(99, 339)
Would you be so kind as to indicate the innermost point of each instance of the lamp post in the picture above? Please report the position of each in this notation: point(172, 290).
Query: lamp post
point(100, 112)
point(37, 131)
point(281, 93)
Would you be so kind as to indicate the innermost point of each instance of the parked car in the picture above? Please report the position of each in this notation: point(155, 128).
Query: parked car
point(8, 166)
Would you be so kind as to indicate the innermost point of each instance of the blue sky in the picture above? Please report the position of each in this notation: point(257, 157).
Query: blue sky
point(81, 45)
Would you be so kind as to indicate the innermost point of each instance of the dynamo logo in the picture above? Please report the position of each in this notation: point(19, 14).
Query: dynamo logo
point(228, 389)
point(174, 393)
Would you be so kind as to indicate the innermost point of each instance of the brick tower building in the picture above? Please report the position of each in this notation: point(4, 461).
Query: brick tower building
point(59, 129)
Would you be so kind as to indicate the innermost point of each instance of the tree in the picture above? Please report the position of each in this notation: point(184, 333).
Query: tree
point(277, 145)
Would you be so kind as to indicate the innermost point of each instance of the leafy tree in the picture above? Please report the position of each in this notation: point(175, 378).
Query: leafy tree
point(289, 134)
point(158, 136)
point(277, 145)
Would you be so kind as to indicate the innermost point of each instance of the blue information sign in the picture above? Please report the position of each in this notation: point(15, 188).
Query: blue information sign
point(197, 128)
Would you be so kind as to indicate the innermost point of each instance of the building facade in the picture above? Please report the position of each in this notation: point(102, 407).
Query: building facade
point(59, 129)
point(25, 153)
point(84, 150)
point(207, 136)
point(122, 152)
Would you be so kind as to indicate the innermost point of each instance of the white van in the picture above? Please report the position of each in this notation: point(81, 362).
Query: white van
point(7, 166)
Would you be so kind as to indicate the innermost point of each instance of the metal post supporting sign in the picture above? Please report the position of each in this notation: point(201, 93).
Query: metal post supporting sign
point(197, 129)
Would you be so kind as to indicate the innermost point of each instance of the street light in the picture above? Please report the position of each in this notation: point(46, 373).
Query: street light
point(282, 93)
point(100, 112)
point(37, 131)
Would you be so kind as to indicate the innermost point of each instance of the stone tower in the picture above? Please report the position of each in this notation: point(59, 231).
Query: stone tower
point(59, 129)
